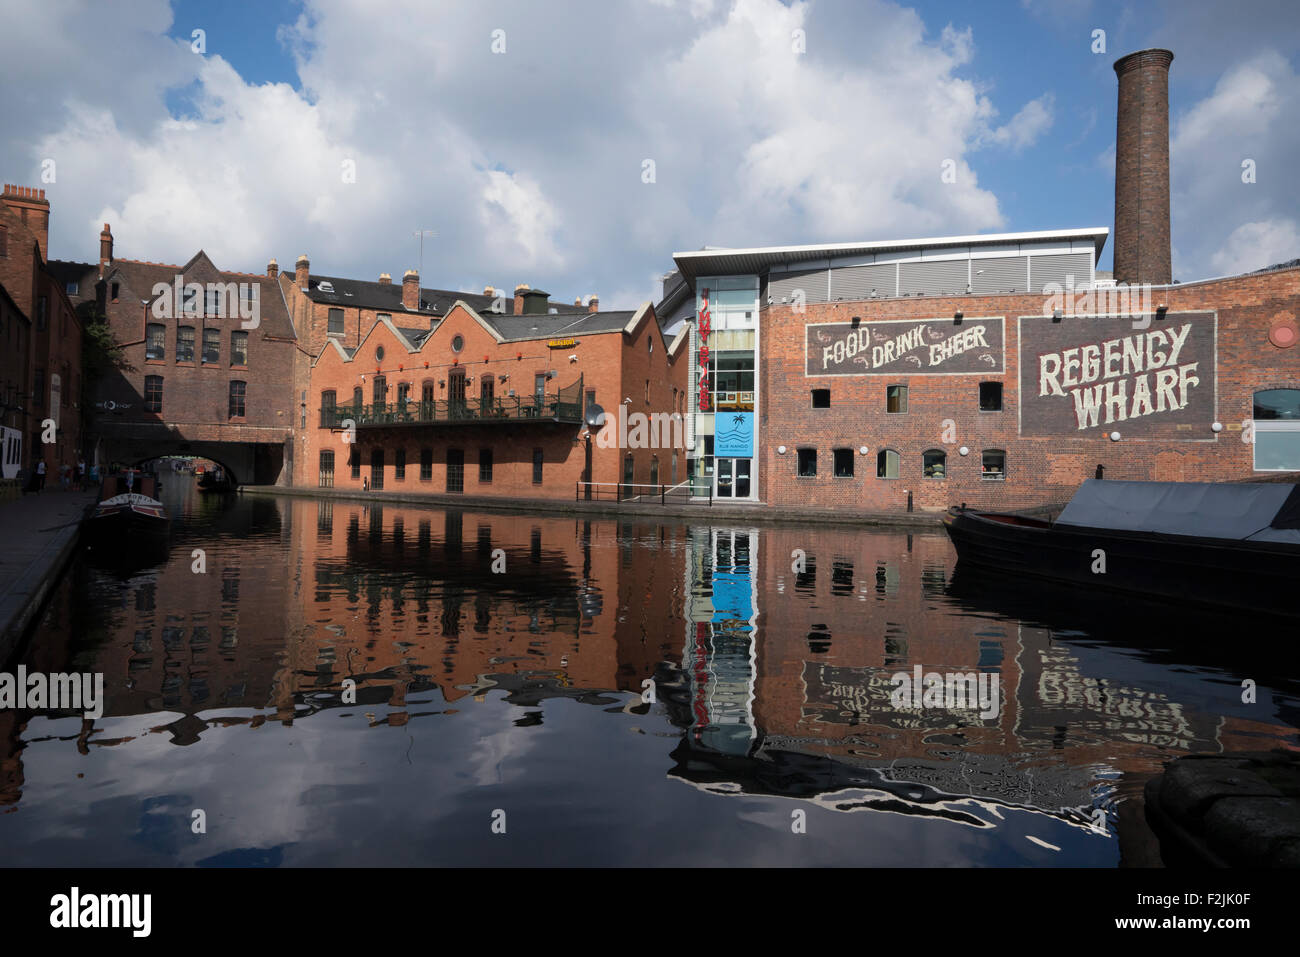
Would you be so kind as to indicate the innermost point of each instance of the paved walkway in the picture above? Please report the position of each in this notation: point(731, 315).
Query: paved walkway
point(38, 534)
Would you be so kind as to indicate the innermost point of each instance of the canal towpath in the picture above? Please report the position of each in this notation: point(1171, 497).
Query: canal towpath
point(38, 536)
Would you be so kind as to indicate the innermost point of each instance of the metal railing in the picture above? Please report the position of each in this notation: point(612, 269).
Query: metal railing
point(546, 408)
point(635, 492)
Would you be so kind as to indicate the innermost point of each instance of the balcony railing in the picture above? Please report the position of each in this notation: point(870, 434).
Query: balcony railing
point(530, 408)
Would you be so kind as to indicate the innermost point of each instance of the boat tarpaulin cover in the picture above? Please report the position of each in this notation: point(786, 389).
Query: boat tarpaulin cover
point(1259, 511)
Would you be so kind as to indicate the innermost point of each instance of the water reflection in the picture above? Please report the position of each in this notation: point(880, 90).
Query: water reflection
point(400, 672)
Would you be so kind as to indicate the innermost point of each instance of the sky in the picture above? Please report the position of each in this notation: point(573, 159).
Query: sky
point(576, 146)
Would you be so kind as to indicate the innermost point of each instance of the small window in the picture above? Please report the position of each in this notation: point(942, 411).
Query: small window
point(426, 464)
point(156, 341)
point(239, 348)
point(379, 353)
point(153, 391)
point(990, 396)
point(357, 400)
point(238, 392)
point(354, 462)
point(843, 463)
point(934, 463)
point(993, 467)
point(185, 344)
point(807, 463)
point(887, 464)
point(115, 291)
point(335, 322)
point(379, 391)
point(896, 398)
point(537, 466)
point(821, 398)
point(73, 288)
point(327, 469)
point(485, 465)
point(399, 465)
point(457, 343)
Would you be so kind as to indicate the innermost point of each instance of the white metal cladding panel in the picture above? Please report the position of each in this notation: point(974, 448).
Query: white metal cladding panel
point(933, 278)
point(1000, 274)
point(813, 282)
point(1045, 269)
point(857, 282)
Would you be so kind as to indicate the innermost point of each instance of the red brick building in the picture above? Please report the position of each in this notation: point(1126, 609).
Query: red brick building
point(208, 364)
point(493, 404)
point(996, 370)
point(50, 387)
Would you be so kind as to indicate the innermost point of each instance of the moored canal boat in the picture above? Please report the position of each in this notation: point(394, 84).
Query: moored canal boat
point(129, 511)
point(1215, 544)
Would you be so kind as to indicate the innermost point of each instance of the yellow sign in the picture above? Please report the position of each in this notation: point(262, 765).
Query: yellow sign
point(561, 343)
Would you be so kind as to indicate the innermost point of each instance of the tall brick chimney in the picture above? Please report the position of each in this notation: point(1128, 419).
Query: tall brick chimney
point(1142, 169)
point(34, 210)
point(272, 269)
point(302, 272)
point(519, 298)
point(411, 290)
point(593, 304)
point(105, 250)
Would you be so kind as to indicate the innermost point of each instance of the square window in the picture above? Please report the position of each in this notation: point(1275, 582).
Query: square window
point(887, 464)
point(896, 398)
point(993, 465)
point(335, 322)
point(807, 463)
point(843, 463)
point(821, 398)
point(990, 396)
point(934, 464)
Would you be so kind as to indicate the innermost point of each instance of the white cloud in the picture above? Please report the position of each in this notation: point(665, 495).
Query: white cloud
point(1249, 115)
point(1253, 246)
point(527, 164)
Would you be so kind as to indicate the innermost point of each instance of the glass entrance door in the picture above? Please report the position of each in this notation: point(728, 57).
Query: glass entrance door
point(732, 478)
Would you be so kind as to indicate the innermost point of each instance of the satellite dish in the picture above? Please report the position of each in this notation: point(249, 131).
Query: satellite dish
point(595, 416)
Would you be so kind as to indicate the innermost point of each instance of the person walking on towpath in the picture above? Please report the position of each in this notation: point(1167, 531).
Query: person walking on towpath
point(40, 476)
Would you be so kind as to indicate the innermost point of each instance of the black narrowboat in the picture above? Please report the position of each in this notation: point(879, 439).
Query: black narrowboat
point(1226, 545)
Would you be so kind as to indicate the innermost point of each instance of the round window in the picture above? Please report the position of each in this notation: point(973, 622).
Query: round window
point(379, 353)
point(457, 343)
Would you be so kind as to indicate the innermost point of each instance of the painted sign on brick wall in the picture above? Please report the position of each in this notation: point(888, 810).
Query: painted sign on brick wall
point(1154, 378)
point(905, 347)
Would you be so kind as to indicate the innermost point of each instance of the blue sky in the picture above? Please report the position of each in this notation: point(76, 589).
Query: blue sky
point(529, 161)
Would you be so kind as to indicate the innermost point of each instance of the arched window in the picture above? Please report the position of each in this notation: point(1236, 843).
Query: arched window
point(1277, 430)
point(887, 464)
point(934, 463)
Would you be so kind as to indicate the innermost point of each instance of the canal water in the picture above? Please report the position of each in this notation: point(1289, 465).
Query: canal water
point(302, 682)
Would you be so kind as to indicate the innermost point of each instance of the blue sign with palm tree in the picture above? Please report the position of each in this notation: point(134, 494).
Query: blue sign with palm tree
point(735, 436)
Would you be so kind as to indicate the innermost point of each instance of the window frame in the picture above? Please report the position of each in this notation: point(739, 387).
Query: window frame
point(818, 393)
point(240, 394)
point(156, 399)
point(886, 456)
point(1001, 406)
point(848, 455)
point(942, 463)
point(986, 475)
point(240, 336)
point(805, 456)
point(903, 395)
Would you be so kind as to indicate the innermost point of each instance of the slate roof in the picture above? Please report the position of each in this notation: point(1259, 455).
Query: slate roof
point(514, 328)
point(387, 297)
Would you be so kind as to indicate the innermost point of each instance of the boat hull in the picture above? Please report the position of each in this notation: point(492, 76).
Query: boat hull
point(1255, 577)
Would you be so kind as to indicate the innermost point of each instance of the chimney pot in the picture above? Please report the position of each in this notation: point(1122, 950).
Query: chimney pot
point(302, 272)
point(385, 279)
point(489, 290)
point(272, 268)
point(593, 304)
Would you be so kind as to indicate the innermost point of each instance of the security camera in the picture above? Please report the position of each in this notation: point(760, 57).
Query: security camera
point(573, 358)
point(627, 400)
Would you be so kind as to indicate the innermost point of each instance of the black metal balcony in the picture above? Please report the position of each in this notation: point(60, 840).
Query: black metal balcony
point(510, 409)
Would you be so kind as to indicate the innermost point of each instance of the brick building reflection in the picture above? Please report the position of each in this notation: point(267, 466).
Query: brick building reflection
point(778, 678)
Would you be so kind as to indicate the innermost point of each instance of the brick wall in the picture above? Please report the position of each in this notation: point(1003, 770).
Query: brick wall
point(1039, 470)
